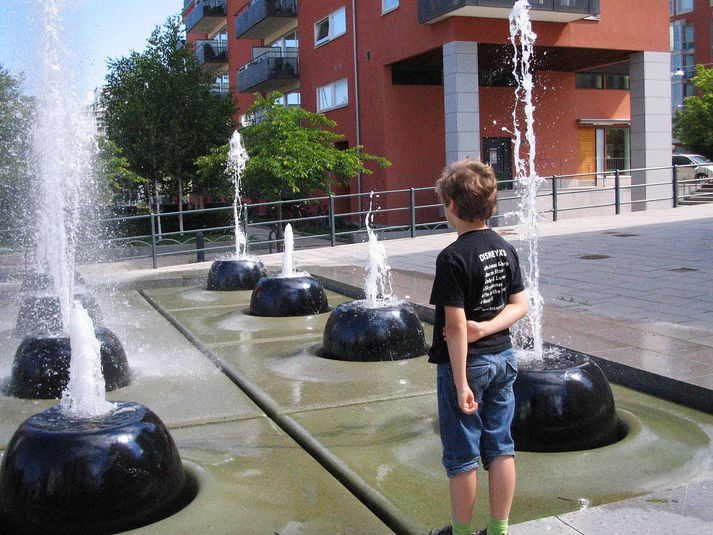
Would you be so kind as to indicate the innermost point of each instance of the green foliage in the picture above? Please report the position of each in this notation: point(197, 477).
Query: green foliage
point(17, 113)
point(160, 111)
point(293, 149)
point(118, 182)
point(694, 124)
point(211, 172)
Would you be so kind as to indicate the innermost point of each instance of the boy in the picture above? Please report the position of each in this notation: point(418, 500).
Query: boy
point(479, 294)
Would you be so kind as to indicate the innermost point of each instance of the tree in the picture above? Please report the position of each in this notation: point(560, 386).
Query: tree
point(694, 124)
point(17, 112)
point(290, 149)
point(118, 181)
point(160, 111)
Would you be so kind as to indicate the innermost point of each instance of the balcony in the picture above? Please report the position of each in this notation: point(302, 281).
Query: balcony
point(432, 11)
point(262, 19)
point(272, 70)
point(220, 86)
point(212, 53)
point(207, 16)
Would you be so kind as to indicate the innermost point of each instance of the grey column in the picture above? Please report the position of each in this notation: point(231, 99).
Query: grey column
point(650, 89)
point(462, 100)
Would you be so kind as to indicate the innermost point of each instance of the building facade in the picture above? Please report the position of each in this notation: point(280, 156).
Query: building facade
point(691, 31)
point(426, 82)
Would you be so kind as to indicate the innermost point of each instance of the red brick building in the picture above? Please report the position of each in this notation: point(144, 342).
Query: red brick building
point(425, 82)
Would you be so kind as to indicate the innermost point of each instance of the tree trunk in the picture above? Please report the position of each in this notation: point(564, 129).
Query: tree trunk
point(180, 206)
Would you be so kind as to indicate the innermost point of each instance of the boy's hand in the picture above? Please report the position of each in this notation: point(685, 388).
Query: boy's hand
point(476, 330)
point(466, 401)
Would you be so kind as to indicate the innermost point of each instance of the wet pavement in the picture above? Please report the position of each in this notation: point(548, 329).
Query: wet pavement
point(635, 291)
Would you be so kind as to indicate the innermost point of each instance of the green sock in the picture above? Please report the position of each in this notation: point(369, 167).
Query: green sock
point(498, 527)
point(461, 529)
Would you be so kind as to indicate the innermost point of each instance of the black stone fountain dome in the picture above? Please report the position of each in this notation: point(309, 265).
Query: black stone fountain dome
point(563, 402)
point(365, 331)
point(283, 296)
point(232, 273)
point(125, 472)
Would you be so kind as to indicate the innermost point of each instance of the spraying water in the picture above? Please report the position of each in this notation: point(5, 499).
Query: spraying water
point(84, 396)
point(523, 39)
point(377, 286)
point(237, 160)
point(288, 257)
point(63, 144)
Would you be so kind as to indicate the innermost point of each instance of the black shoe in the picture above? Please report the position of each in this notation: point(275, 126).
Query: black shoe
point(448, 530)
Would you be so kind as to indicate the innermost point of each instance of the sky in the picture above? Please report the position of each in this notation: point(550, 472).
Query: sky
point(95, 30)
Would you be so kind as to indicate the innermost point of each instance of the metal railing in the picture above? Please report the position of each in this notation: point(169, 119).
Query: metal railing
point(269, 69)
point(204, 9)
point(432, 9)
point(333, 219)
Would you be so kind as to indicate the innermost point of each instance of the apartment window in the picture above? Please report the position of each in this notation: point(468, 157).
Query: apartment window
point(388, 5)
point(683, 6)
point(616, 77)
point(290, 99)
point(682, 62)
point(331, 96)
point(331, 27)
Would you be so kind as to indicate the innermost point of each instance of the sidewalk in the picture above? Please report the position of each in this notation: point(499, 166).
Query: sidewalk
point(634, 290)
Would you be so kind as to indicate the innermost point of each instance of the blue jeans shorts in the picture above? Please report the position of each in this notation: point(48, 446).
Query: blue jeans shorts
point(485, 434)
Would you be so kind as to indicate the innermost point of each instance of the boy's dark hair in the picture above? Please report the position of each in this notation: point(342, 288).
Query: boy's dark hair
point(472, 186)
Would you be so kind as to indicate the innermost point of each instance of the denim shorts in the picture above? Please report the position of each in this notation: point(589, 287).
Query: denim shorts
point(486, 433)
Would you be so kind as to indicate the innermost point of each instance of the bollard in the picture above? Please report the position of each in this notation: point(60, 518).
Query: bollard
point(200, 247)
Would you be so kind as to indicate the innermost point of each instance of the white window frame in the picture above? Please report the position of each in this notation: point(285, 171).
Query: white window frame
point(332, 88)
point(387, 6)
point(331, 34)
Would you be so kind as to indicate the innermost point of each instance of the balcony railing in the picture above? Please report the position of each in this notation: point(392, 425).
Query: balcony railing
point(259, 19)
point(275, 70)
point(220, 87)
point(431, 11)
point(207, 16)
point(212, 53)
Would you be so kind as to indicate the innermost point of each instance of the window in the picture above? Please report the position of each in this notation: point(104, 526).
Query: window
point(611, 77)
point(331, 27)
point(682, 62)
point(388, 5)
point(684, 6)
point(331, 96)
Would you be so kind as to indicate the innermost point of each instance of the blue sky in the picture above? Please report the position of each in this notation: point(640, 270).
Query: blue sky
point(95, 30)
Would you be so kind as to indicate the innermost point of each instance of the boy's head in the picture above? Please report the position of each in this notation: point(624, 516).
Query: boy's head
point(472, 187)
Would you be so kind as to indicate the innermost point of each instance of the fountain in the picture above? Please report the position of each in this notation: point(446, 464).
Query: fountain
point(238, 271)
point(84, 465)
point(563, 401)
point(379, 327)
point(291, 293)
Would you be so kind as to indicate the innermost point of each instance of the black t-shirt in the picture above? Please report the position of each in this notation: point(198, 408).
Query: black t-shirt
point(478, 272)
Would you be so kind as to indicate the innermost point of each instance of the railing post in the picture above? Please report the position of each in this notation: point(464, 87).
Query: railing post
point(674, 183)
point(332, 226)
point(413, 213)
point(554, 197)
point(617, 192)
point(200, 247)
point(153, 239)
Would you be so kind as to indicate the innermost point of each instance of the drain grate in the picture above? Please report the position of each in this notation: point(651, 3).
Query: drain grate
point(682, 270)
point(594, 257)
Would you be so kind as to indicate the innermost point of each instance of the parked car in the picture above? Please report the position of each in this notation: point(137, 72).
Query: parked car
point(698, 167)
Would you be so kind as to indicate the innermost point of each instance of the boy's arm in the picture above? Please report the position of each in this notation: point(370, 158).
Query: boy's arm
point(456, 338)
point(515, 310)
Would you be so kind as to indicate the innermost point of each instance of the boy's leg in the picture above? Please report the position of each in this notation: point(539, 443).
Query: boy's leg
point(501, 486)
point(462, 488)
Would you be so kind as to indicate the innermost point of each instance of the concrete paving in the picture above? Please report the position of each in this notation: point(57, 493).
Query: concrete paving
point(635, 291)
